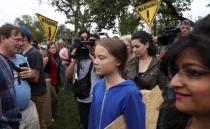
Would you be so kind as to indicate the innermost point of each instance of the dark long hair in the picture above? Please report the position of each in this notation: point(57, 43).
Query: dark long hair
point(198, 40)
point(144, 38)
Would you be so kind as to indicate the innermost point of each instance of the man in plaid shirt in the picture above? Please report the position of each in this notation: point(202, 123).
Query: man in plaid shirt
point(11, 40)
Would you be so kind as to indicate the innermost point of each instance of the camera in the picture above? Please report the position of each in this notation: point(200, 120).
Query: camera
point(168, 35)
point(82, 51)
point(77, 42)
point(90, 42)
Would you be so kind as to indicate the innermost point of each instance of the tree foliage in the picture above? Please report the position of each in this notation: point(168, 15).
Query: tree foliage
point(170, 12)
point(37, 32)
point(77, 12)
point(33, 24)
point(105, 13)
point(64, 33)
point(128, 23)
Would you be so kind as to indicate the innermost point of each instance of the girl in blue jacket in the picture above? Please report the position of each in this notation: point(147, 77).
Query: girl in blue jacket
point(113, 95)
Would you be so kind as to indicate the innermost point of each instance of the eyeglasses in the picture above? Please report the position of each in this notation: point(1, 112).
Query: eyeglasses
point(187, 73)
point(18, 39)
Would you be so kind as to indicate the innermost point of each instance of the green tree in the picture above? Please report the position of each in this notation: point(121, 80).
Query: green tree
point(33, 24)
point(128, 23)
point(77, 12)
point(105, 13)
point(64, 33)
point(170, 12)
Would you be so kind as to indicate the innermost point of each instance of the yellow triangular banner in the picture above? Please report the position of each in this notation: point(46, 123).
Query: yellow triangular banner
point(148, 11)
point(49, 26)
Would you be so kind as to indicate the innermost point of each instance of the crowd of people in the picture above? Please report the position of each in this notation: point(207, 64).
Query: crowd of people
point(108, 76)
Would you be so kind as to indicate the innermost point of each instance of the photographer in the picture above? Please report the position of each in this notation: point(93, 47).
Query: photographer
point(84, 35)
point(169, 35)
point(185, 27)
point(82, 74)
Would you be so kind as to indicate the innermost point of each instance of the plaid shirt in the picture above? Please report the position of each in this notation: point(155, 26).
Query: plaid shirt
point(9, 114)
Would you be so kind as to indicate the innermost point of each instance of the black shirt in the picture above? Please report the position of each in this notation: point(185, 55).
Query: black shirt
point(35, 61)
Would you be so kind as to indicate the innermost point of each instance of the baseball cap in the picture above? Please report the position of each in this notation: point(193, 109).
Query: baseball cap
point(60, 41)
point(43, 45)
point(26, 32)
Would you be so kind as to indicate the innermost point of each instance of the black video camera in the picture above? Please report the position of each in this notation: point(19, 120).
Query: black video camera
point(81, 45)
point(168, 35)
point(90, 42)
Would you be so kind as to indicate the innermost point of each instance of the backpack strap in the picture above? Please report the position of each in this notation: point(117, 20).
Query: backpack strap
point(11, 64)
point(90, 68)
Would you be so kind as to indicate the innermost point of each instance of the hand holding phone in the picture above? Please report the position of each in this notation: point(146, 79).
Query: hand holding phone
point(25, 71)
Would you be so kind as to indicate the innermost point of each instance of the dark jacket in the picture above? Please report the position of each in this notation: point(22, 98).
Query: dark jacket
point(150, 78)
point(131, 68)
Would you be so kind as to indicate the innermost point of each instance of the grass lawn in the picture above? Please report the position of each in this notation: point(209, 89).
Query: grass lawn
point(68, 117)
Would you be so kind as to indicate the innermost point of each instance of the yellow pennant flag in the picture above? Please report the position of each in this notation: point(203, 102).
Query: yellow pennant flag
point(148, 11)
point(49, 26)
